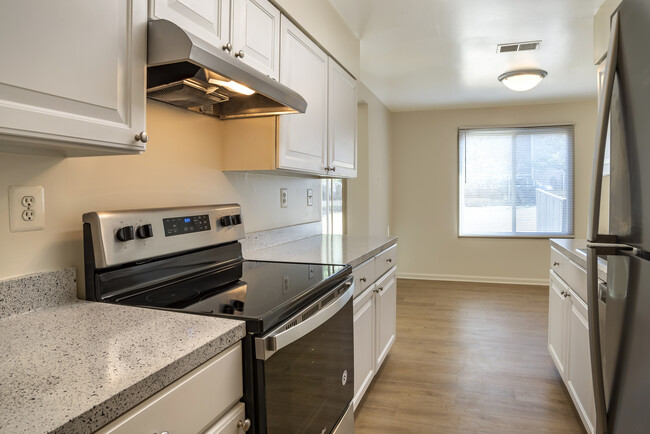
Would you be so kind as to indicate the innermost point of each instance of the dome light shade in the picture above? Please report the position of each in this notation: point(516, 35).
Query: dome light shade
point(523, 79)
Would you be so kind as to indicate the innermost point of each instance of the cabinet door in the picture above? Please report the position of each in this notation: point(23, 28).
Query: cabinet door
point(209, 20)
point(73, 76)
point(364, 343)
point(303, 137)
point(385, 317)
point(342, 121)
point(579, 382)
point(557, 322)
point(256, 35)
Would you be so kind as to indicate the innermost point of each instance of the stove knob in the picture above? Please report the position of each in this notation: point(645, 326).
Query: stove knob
point(125, 234)
point(144, 231)
point(226, 220)
point(236, 219)
point(237, 304)
point(228, 309)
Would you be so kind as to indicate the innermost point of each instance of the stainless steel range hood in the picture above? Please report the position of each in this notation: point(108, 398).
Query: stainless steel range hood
point(188, 72)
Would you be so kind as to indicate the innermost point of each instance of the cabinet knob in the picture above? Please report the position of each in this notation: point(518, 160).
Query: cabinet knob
point(227, 47)
point(566, 294)
point(376, 290)
point(142, 137)
point(363, 279)
point(244, 425)
point(389, 260)
point(240, 54)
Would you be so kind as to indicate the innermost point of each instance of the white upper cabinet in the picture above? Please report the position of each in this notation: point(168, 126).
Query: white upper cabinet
point(256, 35)
point(209, 20)
point(247, 29)
point(303, 137)
point(72, 80)
point(601, 29)
point(342, 122)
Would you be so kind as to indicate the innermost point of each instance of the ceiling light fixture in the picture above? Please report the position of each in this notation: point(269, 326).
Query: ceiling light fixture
point(523, 79)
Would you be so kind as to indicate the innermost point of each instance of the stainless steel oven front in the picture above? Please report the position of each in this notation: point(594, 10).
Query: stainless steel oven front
point(304, 368)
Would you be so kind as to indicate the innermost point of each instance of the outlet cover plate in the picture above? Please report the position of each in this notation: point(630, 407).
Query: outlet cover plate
point(310, 197)
point(284, 198)
point(16, 208)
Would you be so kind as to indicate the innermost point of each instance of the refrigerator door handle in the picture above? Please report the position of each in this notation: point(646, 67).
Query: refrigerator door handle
point(604, 105)
point(595, 351)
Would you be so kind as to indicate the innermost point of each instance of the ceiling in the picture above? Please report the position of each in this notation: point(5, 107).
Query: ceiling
point(429, 54)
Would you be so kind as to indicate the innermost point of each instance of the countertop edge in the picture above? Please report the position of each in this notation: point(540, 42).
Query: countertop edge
point(120, 403)
point(568, 246)
point(368, 255)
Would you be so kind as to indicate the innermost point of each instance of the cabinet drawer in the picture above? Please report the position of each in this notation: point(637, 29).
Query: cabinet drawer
point(190, 403)
point(571, 273)
point(386, 260)
point(364, 276)
point(231, 422)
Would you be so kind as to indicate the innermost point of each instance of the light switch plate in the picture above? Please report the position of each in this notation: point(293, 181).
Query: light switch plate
point(310, 197)
point(26, 208)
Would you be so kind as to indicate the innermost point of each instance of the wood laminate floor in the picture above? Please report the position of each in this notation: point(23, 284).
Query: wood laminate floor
point(468, 358)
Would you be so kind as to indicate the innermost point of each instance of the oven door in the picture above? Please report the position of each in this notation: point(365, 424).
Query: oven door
point(305, 368)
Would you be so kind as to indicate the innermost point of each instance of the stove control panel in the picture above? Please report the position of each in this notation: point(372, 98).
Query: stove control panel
point(120, 237)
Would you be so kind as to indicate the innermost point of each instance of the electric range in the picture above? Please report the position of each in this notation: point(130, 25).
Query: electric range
point(298, 351)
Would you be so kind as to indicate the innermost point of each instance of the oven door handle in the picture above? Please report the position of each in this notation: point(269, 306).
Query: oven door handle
point(286, 333)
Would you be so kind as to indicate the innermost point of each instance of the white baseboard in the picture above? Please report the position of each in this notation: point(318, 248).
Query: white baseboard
point(481, 279)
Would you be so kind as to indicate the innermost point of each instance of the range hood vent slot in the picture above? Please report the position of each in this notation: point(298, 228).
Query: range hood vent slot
point(186, 71)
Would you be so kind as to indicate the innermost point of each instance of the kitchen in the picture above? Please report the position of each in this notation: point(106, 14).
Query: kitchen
point(189, 161)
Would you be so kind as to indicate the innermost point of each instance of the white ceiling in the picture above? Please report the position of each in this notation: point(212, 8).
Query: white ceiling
point(425, 54)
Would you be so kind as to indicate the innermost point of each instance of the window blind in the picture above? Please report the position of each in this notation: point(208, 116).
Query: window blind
point(516, 182)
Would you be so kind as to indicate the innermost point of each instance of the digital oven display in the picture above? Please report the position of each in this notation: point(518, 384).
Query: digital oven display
point(186, 225)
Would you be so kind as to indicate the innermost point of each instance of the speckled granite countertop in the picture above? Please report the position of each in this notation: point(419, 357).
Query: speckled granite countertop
point(325, 249)
point(77, 366)
point(570, 248)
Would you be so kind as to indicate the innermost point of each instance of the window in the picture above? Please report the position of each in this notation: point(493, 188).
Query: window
point(332, 206)
point(516, 182)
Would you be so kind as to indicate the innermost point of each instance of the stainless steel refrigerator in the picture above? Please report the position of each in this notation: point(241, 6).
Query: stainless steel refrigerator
point(619, 313)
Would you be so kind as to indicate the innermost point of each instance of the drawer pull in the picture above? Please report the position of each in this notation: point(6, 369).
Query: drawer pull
point(363, 279)
point(376, 291)
point(389, 260)
point(244, 425)
point(556, 264)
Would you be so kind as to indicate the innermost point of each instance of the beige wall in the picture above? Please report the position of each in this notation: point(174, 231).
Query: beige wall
point(425, 192)
point(368, 196)
point(321, 21)
point(180, 167)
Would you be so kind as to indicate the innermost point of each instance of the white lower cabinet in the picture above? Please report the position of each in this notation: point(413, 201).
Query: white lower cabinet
point(386, 314)
point(568, 334)
point(557, 322)
point(375, 309)
point(364, 343)
point(206, 397)
point(578, 380)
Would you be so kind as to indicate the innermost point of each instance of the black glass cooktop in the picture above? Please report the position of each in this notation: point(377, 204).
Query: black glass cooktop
point(261, 293)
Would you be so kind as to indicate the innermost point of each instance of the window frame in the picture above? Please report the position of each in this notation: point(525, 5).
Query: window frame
point(516, 235)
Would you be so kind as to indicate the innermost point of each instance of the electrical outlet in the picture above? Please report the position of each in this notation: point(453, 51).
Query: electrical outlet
point(310, 197)
point(26, 208)
point(284, 198)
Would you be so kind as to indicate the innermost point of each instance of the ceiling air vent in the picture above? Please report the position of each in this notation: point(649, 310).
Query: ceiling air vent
point(518, 46)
